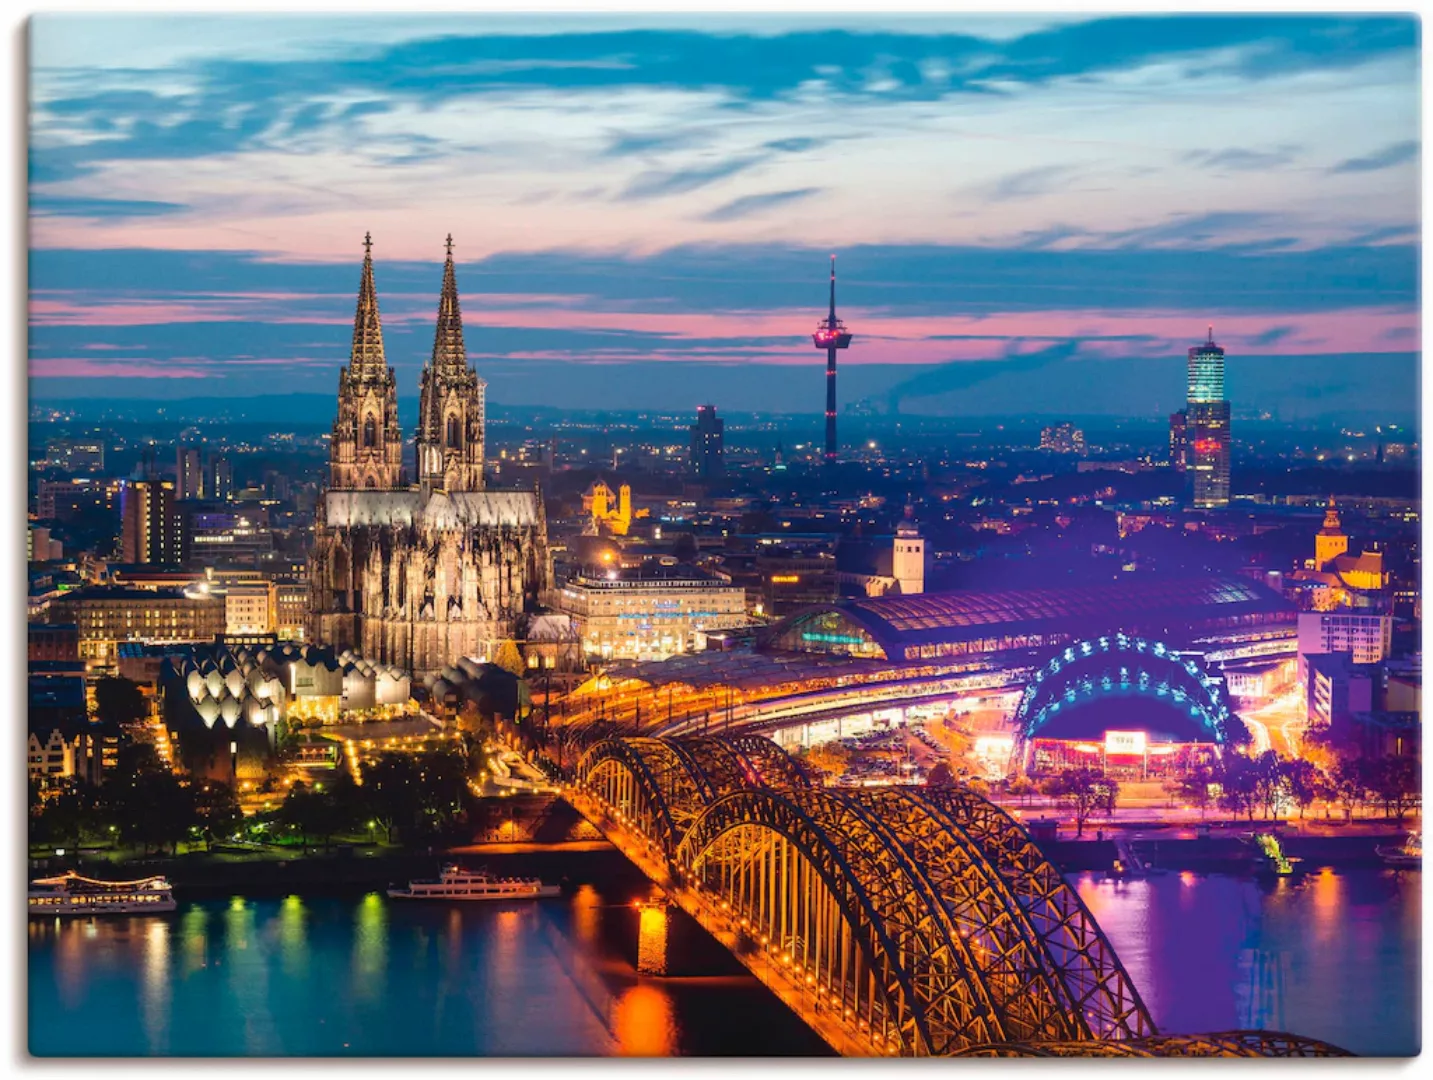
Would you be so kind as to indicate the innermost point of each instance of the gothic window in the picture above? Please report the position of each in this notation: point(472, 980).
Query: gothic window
point(370, 431)
point(455, 438)
point(370, 483)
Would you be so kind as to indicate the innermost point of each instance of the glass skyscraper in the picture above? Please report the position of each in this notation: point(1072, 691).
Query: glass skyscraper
point(1208, 426)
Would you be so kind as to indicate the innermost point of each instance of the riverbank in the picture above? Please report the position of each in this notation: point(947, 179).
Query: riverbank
point(346, 870)
point(1231, 852)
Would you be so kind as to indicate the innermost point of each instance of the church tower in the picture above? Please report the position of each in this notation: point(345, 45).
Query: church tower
point(1331, 542)
point(908, 556)
point(450, 410)
point(366, 451)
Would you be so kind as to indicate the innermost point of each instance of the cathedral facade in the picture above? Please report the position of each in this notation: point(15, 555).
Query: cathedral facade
point(419, 575)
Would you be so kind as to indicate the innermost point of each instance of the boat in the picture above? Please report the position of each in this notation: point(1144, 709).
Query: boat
point(74, 894)
point(455, 883)
point(1410, 854)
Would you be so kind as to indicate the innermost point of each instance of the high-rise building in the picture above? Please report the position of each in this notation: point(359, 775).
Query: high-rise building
point(189, 474)
point(222, 486)
point(1208, 426)
point(1179, 440)
point(1062, 439)
point(152, 526)
point(831, 334)
point(707, 460)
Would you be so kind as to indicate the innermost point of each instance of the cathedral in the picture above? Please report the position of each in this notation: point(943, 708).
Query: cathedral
point(419, 575)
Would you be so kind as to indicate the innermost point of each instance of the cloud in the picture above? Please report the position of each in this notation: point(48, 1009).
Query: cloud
point(216, 105)
point(1218, 227)
point(1236, 159)
point(748, 205)
point(655, 184)
point(1391, 155)
point(58, 206)
point(1271, 335)
point(1030, 183)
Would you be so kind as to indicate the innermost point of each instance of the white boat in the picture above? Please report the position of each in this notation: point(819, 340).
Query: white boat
point(73, 894)
point(1410, 854)
point(455, 883)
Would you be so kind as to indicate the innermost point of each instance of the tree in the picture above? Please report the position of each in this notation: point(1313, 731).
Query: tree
point(1303, 781)
point(1194, 789)
point(1021, 787)
point(1238, 784)
point(1394, 780)
point(1266, 777)
point(1086, 790)
point(940, 776)
point(68, 815)
point(509, 658)
point(216, 810)
point(118, 701)
point(1348, 785)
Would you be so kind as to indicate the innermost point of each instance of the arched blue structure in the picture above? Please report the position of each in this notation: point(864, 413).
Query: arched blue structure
point(1123, 665)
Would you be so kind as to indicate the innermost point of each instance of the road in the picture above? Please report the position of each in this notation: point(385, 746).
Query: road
point(1278, 725)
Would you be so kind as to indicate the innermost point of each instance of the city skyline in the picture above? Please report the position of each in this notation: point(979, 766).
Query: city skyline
point(670, 246)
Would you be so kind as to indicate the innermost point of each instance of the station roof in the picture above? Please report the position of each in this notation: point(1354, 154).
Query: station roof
point(1147, 604)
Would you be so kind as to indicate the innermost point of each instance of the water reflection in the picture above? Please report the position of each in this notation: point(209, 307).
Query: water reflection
point(370, 947)
point(293, 936)
point(1330, 957)
point(194, 939)
point(248, 976)
point(154, 1000)
point(644, 1023)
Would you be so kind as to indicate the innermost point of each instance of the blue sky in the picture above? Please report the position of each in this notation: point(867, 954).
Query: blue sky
point(643, 206)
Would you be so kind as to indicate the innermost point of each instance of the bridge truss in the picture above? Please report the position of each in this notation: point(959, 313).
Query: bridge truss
point(895, 921)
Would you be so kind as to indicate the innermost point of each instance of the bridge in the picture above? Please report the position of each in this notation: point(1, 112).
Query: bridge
point(894, 921)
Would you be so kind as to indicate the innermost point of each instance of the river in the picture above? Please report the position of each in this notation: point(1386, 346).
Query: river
point(1333, 956)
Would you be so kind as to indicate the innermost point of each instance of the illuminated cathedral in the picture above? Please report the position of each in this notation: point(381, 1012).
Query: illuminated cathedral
point(419, 575)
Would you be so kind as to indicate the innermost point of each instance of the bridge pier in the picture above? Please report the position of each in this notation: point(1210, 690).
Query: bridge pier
point(654, 937)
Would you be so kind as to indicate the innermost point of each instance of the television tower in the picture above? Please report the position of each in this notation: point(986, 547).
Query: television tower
point(831, 334)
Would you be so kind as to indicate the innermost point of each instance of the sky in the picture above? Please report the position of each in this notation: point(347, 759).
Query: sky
point(1034, 213)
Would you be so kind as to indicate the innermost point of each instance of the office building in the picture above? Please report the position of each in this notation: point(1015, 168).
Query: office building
point(707, 461)
point(189, 474)
point(1367, 637)
point(650, 612)
point(1208, 426)
point(1179, 440)
point(221, 487)
point(109, 614)
point(152, 526)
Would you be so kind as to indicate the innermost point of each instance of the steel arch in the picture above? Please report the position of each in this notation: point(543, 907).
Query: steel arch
point(847, 873)
point(1102, 993)
point(922, 921)
point(1029, 990)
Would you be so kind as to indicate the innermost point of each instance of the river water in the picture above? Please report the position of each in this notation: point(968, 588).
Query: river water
point(1333, 956)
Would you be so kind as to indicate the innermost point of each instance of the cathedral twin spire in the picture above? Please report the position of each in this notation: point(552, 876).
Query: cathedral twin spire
point(366, 451)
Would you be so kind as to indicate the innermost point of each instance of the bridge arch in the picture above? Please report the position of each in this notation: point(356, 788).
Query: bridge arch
point(651, 787)
point(1123, 665)
point(807, 901)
